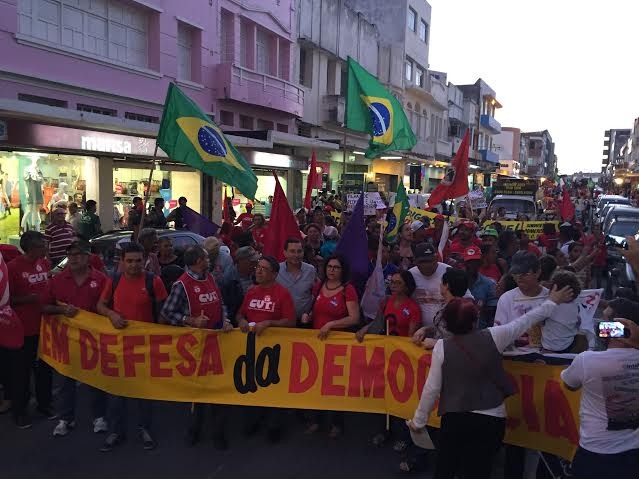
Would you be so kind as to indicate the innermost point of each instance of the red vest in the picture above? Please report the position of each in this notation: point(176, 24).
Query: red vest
point(203, 296)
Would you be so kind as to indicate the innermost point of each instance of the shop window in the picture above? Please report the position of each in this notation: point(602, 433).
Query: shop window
point(227, 118)
point(185, 51)
point(41, 100)
point(282, 128)
point(98, 110)
point(246, 122)
point(33, 184)
point(114, 30)
point(140, 117)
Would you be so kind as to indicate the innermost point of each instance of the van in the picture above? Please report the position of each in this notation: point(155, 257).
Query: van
point(514, 206)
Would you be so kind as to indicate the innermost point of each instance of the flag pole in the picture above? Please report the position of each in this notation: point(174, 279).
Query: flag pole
point(344, 167)
point(147, 195)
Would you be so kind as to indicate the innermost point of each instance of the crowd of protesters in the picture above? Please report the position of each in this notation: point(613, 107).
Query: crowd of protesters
point(466, 291)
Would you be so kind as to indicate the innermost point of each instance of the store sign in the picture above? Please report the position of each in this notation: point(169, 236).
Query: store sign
point(107, 145)
point(34, 135)
point(4, 132)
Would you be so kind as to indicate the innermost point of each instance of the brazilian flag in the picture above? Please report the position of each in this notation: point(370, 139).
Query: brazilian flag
point(189, 136)
point(372, 109)
point(397, 216)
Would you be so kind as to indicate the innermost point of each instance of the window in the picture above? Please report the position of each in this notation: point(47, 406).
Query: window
point(109, 29)
point(140, 117)
point(96, 109)
point(408, 66)
point(412, 19)
point(282, 128)
point(226, 36)
point(42, 100)
point(264, 125)
point(306, 68)
point(185, 51)
point(423, 31)
point(227, 118)
point(263, 52)
point(419, 77)
point(246, 122)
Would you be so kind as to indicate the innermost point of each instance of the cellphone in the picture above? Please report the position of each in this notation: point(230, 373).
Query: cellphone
point(612, 329)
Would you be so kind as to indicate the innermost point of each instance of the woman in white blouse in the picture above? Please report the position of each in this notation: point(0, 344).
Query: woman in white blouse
point(468, 377)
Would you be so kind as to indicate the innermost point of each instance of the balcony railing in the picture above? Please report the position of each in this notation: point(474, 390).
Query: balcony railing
point(443, 148)
point(248, 86)
point(488, 155)
point(490, 123)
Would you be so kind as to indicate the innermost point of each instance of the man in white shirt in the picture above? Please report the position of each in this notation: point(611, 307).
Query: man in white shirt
point(609, 410)
point(428, 277)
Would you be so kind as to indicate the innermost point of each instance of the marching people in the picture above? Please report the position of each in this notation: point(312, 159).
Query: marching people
point(58, 236)
point(133, 295)
point(29, 283)
point(335, 307)
point(177, 214)
point(471, 399)
point(428, 275)
point(196, 301)
point(297, 277)
point(220, 263)
point(239, 279)
point(78, 286)
point(267, 304)
point(89, 225)
point(166, 253)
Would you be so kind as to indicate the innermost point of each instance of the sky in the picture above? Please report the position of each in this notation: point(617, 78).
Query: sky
point(567, 66)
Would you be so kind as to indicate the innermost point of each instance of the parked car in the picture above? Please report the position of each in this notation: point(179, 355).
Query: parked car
point(617, 211)
point(106, 245)
point(619, 272)
point(605, 200)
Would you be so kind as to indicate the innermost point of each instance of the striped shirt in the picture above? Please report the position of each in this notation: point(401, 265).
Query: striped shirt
point(58, 239)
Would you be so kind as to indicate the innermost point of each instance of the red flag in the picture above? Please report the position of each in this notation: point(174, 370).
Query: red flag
point(566, 208)
point(312, 181)
point(455, 182)
point(282, 224)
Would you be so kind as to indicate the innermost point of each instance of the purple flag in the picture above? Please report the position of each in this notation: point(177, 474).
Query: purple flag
point(196, 223)
point(354, 246)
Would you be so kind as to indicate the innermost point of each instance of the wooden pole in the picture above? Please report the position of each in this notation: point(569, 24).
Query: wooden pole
point(145, 199)
point(387, 415)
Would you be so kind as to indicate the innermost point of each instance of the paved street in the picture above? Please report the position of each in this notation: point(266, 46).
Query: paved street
point(34, 453)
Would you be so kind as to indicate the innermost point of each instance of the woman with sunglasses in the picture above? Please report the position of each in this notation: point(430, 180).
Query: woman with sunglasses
point(335, 306)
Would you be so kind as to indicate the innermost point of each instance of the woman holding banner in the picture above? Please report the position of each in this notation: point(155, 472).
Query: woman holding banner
point(471, 400)
point(335, 306)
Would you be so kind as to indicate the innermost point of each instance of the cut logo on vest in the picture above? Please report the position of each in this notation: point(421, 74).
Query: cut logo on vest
point(262, 304)
point(207, 297)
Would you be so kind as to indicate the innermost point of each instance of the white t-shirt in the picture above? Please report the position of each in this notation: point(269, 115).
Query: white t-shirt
point(609, 399)
point(514, 304)
point(559, 330)
point(427, 294)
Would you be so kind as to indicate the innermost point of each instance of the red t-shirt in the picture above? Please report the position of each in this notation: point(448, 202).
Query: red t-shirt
point(29, 277)
point(534, 250)
point(332, 308)
point(259, 234)
point(270, 303)
point(491, 271)
point(550, 242)
point(401, 316)
point(245, 220)
point(457, 247)
point(62, 287)
point(131, 299)
point(96, 262)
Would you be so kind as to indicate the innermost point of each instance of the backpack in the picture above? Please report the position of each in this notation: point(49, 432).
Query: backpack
point(148, 282)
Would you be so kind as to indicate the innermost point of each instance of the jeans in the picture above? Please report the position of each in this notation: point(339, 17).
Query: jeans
point(25, 360)
point(468, 444)
point(67, 398)
point(117, 414)
point(217, 414)
point(272, 417)
point(590, 465)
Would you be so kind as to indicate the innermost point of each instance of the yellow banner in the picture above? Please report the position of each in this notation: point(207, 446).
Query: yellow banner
point(532, 228)
point(290, 368)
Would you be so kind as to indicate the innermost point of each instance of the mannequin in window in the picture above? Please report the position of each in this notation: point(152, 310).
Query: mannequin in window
point(35, 198)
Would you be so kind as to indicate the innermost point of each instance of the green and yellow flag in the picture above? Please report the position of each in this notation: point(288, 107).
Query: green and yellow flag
point(397, 216)
point(372, 109)
point(189, 136)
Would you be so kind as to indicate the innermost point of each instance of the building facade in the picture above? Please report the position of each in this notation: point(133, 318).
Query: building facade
point(511, 150)
point(87, 126)
point(541, 161)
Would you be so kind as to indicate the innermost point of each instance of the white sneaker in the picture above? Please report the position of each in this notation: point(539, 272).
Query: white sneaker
point(100, 425)
point(63, 428)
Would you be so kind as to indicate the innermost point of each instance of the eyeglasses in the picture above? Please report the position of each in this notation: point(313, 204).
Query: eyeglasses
point(333, 267)
point(397, 283)
point(263, 268)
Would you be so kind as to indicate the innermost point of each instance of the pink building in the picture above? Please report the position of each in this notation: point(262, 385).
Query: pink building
point(82, 83)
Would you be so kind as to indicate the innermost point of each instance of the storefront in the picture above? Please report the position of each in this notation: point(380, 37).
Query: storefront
point(42, 166)
point(388, 174)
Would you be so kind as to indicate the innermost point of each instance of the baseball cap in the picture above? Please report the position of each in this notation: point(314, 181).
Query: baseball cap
point(331, 232)
point(247, 252)
point(469, 224)
point(490, 232)
point(471, 253)
point(425, 252)
point(79, 245)
point(524, 262)
point(416, 225)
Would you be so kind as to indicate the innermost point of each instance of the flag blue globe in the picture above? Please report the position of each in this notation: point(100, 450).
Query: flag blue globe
point(211, 141)
point(380, 117)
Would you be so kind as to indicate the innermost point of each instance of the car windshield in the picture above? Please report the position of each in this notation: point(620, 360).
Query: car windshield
point(624, 228)
point(514, 206)
point(614, 201)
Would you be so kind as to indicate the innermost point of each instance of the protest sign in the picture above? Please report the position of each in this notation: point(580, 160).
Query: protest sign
point(477, 199)
point(372, 202)
point(533, 228)
point(290, 368)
